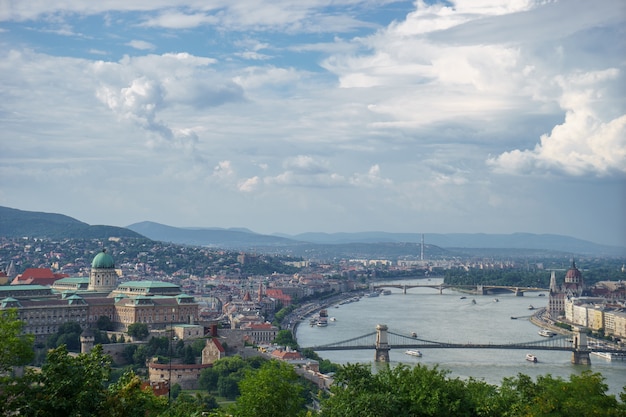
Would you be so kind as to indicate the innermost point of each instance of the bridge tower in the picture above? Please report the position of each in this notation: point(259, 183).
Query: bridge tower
point(580, 354)
point(382, 346)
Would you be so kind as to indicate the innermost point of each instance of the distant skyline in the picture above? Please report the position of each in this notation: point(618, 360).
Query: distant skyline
point(286, 116)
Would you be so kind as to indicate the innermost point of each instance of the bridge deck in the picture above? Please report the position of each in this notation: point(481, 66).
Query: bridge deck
point(400, 341)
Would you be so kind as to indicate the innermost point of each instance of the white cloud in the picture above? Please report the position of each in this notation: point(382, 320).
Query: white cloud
point(141, 45)
point(249, 184)
point(588, 142)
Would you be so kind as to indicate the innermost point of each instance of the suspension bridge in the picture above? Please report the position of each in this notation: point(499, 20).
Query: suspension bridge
point(382, 340)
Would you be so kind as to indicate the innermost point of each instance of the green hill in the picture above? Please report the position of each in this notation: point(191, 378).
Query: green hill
point(19, 223)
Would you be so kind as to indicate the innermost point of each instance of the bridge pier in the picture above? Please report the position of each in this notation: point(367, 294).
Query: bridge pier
point(519, 293)
point(480, 290)
point(580, 354)
point(382, 345)
point(404, 289)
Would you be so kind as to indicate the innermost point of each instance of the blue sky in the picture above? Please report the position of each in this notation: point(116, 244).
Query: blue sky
point(325, 116)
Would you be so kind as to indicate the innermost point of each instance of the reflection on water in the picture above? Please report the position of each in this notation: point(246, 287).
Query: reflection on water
point(450, 318)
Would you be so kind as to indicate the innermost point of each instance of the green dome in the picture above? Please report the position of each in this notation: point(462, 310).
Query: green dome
point(103, 260)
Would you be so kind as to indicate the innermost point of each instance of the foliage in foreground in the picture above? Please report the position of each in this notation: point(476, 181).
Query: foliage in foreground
point(423, 391)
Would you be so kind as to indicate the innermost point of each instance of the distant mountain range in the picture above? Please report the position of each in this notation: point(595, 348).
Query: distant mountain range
point(302, 243)
point(18, 223)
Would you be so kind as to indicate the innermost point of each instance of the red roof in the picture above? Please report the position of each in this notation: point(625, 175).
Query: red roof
point(39, 276)
point(218, 345)
point(286, 355)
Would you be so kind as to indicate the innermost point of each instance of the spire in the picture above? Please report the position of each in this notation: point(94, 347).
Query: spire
point(553, 287)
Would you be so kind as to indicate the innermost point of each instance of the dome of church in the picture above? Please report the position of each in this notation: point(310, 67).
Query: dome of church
point(103, 260)
point(573, 274)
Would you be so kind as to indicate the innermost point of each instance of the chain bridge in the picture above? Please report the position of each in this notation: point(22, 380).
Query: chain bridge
point(476, 289)
point(382, 340)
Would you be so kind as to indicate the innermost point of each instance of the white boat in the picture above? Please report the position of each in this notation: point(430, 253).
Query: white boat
point(546, 333)
point(322, 323)
point(531, 307)
point(531, 358)
point(332, 319)
point(416, 353)
point(495, 300)
point(373, 294)
point(387, 292)
point(610, 356)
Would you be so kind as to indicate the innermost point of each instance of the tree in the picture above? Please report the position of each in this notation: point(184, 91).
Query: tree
point(68, 335)
point(187, 405)
point(272, 390)
point(404, 391)
point(285, 338)
point(69, 386)
point(583, 395)
point(126, 398)
point(16, 348)
point(104, 323)
point(188, 355)
point(138, 331)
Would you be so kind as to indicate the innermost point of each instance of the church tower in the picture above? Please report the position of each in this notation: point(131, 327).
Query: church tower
point(102, 277)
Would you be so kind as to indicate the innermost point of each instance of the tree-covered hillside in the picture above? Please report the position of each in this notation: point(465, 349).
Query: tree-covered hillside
point(20, 223)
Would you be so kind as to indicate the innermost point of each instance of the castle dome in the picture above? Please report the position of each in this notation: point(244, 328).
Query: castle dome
point(103, 261)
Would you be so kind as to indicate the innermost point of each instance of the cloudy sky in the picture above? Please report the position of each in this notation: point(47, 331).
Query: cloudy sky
point(289, 116)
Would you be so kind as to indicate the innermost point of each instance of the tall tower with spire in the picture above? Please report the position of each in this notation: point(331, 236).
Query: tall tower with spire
point(553, 287)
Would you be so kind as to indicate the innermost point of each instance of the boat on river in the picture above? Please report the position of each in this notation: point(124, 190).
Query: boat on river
point(415, 353)
point(546, 333)
point(531, 358)
point(610, 356)
point(323, 320)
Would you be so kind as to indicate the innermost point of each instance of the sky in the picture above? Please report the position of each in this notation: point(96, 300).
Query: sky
point(292, 116)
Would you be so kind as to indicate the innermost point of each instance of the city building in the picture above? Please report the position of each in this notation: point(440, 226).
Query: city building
point(573, 286)
point(44, 308)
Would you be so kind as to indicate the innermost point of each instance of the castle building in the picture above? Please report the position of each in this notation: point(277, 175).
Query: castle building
point(43, 309)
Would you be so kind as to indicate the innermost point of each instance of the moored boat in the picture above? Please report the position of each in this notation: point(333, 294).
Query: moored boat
point(531, 358)
point(546, 333)
point(415, 353)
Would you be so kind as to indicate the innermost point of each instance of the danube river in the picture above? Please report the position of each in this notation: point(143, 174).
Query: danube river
point(449, 318)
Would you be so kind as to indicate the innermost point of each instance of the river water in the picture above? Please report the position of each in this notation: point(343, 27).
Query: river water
point(448, 318)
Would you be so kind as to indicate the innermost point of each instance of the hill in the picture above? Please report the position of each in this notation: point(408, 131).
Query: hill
point(384, 244)
point(214, 236)
point(19, 223)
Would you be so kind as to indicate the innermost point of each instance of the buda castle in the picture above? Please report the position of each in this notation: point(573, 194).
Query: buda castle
point(83, 300)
